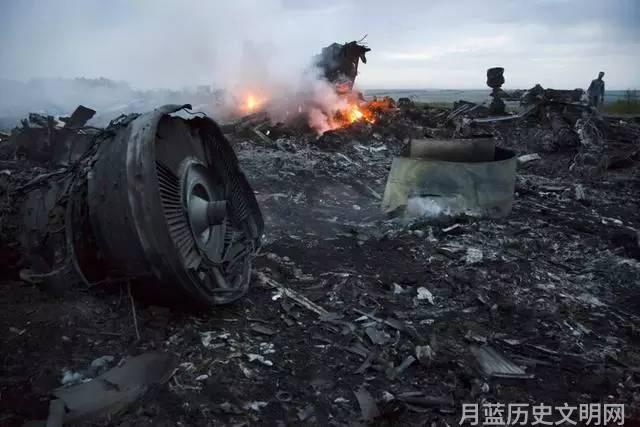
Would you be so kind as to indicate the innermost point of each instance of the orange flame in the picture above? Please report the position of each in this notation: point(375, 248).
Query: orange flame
point(355, 110)
point(351, 114)
point(252, 103)
point(355, 114)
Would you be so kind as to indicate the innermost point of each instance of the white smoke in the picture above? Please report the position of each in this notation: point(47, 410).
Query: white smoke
point(319, 120)
point(305, 92)
point(325, 103)
point(239, 47)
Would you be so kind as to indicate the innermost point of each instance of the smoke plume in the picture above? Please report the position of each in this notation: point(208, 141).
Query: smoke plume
point(150, 52)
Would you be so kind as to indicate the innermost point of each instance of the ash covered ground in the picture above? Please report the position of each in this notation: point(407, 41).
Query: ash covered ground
point(400, 308)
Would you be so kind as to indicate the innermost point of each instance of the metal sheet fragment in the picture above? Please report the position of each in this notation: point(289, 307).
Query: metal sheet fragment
point(493, 364)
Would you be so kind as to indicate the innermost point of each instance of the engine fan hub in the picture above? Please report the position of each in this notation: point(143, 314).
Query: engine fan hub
point(174, 188)
point(206, 209)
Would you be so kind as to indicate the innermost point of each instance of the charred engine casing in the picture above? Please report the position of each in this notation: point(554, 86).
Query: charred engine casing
point(155, 198)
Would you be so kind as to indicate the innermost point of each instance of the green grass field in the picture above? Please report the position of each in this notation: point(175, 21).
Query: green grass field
point(623, 106)
point(620, 106)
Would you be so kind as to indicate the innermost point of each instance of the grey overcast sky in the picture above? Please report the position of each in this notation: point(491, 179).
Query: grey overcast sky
point(415, 43)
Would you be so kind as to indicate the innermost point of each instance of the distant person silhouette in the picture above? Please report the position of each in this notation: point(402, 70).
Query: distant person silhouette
point(596, 91)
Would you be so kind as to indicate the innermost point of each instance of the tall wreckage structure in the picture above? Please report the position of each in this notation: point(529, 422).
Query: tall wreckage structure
point(338, 64)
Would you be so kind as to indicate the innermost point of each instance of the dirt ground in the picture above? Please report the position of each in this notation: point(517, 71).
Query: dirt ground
point(554, 287)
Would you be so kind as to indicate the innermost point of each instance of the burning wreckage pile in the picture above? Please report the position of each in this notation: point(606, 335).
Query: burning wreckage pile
point(406, 267)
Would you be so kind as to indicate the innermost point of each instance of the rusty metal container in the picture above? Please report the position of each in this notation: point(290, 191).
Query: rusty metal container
point(454, 150)
point(463, 178)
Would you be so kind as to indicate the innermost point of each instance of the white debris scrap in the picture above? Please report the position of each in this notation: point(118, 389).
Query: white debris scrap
point(69, 377)
point(208, 337)
point(259, 358)
point(528, 158)
point(473, 256)
point(187, 366)
point(254, 406)
point(267, 348)
point(101, 362)
point(397, 289)
point(425, 354)
point(424, 293)
point(387, 397)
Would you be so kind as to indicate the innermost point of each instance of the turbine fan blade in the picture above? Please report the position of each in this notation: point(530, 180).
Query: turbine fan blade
point(175, 215)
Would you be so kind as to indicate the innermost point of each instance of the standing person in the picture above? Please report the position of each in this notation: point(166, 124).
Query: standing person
point(596, 91)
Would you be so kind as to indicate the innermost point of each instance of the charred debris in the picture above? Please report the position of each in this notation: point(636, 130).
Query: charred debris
point(338, 63)
point(413, 259)
point(151, 197)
